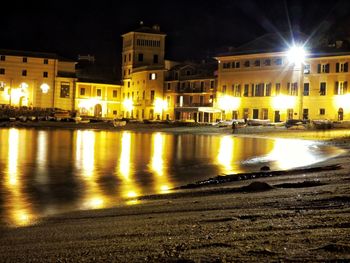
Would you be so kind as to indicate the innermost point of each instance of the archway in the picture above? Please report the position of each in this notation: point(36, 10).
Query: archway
point(98, 110)
point(340, 114)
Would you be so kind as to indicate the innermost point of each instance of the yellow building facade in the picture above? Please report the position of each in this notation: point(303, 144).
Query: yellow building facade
point(44, 80)
point(267, 86)
point(143, 68)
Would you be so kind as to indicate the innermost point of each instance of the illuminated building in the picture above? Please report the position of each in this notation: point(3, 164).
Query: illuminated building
point(259, 80)
point(143, 69)
point(190, 92)
point(264, 83)
point(34, 79)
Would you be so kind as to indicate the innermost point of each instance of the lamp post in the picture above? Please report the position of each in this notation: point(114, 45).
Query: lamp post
point(296, 56)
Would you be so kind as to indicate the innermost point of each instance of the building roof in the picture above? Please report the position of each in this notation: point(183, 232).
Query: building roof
point(21, 53)
point(155, 29)
point(280, 42)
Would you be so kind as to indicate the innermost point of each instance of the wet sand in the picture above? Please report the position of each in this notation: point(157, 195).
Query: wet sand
point(296, 217)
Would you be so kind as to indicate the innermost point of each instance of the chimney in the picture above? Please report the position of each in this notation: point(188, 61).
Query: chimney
point(338, 43)
point(156, 27)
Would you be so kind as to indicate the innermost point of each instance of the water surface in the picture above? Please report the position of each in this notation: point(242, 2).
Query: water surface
point(44, 172)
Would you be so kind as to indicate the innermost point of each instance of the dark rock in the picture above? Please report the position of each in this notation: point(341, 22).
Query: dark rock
point(265, 168)
point(257, 187)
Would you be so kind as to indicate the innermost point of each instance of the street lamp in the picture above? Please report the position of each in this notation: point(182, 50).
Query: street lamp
point(296, 56)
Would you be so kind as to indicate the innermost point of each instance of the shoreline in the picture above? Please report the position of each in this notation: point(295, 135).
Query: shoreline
point(298, 217)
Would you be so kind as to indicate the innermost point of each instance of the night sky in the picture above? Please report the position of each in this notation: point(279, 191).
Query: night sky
point(195, 29)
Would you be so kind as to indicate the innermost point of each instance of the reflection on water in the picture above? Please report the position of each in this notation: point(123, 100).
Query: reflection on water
point(47, 172)
point(18, 212)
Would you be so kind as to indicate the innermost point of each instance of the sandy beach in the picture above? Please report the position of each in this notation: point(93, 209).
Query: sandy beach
point(299, 217)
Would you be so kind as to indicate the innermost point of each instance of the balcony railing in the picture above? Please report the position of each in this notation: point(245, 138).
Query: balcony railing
point(208, 104)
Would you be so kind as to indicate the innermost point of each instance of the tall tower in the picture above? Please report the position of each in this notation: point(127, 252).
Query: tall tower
point(143, 72)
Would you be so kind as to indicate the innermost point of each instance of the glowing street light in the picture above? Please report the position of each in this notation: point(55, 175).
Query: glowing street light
point(296, 55)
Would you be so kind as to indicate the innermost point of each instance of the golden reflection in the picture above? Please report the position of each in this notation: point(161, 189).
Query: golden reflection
point(19, 214)
point(225, 154)
point(85, 155)
point(291, 153)
point(162, 183)
point(129, 190)
point(41, 157)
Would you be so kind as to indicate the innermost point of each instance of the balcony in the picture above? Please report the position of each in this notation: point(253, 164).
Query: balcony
point(194, 105)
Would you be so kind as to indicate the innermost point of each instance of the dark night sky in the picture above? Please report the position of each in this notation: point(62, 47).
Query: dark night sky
point(194, 28)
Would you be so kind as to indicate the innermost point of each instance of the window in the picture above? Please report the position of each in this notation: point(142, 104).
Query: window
point(293, 89)
point(340, 87)
point(237, 91)
point(305, 114)
point(202, 86)
point(82, 91)
point(24, 72)
point(140, 57)
point(323, 88)
point(2, 58)
point(342, 67)
point(259, 90)
point(278, 61)
point(257, 63)
point(307, 69)
point(278, 89)
point(153, 76)
point(226, 65)
point(323, 68)
point(152, 95)
point(155, 59)
point(124, 59)
point(65, 90)
point(224, 89)
point(246, 90)
point(211, 84)
point(115, 112)
point(98, 93)
point(128, 84)
point(129, 57)
point(2, 71)
point(2, 85)
point(306, 89)
point(255, 114)
point(322, 111)
point(268, 89)
point(25, 60)
point(45, 74)
point(46, 61)
point(247, 63)
point(236, 64)
point(267, 62)
point(129, 71)
point(168, 86)
point(264, 114)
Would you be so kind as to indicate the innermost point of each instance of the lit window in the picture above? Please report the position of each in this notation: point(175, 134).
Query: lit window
point(153, 76)
point(82, 91)
point(65, 90)
point(307, 69)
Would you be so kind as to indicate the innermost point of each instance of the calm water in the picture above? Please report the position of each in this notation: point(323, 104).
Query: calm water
point(48, 172)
